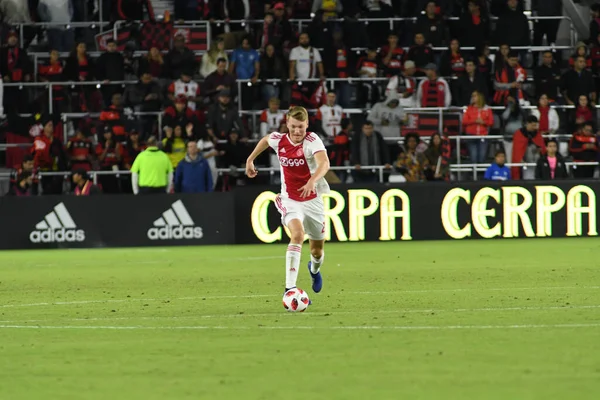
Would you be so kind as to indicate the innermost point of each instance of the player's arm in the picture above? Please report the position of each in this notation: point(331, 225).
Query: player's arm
point(261, 146)
point(322, 168)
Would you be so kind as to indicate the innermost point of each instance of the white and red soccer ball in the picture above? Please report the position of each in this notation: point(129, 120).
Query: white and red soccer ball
point(295, 300)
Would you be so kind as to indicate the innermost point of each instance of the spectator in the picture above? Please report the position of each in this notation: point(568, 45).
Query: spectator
point(433, 91)
point(15, 67)
point(547, 78)
point(583, 113)
point(581, 50)
point(404, 85)
point(595, 22)
point(80, 151)
point(547, 116)
point(305, 61)
point(512, 26)
point(272, 66)
point(484, 66)
point(388, 117)
point(53, 72)
point(498, 171)
point(49, 156)
point(338, 62)
point(193, 174)
point(271, 119)
point(584, 148)
point(80, 67)
point(509, 81)
point(83, 185)
point(474, 25)
point(368, 149)
point(113, 118)
point(154, 63)
point(320, 30)
point(110, 66)
point(329, 118)
point(331, 8)
point(421, 54)
point(175, 143)
point(57, 12)
point(595, 56)
point(578, 82)
point(367, 67)
point(377, 30)
point(478, 120)
point(110, 154)
point(432, 26)
point(185, 86)
point(234, 155)
point(471, 81)
point(145, 96)
point(179, 59)
point(339, 152)
point(222, 118)
point(392, 56)
point(133, 147)
point(552, 165)
point(186, 10)
point(152, 171)
point(512, 121)
point(452, 63)
point(245, 64)
point(219, 80)
point(22, 179)
point(209, 153)
point(283, 33)
point(501, 58)
point(411, 163)
point(546, 27)
point(527, 146)
point(211, 58)
point(438, 168)
point(178, 114)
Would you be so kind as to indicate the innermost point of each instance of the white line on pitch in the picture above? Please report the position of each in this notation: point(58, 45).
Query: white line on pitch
point(259, 327)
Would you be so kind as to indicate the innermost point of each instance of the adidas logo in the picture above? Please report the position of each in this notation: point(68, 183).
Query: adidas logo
point(175, 223)
point(57, 227)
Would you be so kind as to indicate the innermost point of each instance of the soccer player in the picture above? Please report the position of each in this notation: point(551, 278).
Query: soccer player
point(304, 163)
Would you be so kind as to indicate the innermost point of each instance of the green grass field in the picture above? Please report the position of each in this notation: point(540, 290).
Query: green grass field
point(511, 319)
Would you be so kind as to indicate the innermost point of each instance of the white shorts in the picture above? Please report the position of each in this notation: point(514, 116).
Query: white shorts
point(311, 213)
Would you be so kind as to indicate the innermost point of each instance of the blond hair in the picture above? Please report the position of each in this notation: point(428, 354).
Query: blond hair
point(480, 99)
point(298, 113)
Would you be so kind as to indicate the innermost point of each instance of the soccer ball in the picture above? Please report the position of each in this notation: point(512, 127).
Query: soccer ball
point(295, 300)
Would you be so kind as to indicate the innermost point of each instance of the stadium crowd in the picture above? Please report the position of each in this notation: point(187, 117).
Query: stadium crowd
point(208, 103)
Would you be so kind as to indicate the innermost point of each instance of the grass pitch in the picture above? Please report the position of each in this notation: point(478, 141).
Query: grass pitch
point(429, 320)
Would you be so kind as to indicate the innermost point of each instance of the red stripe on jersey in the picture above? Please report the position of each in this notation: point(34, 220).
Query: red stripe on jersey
point(296, 172)
point(279, 205)
point(309, 137)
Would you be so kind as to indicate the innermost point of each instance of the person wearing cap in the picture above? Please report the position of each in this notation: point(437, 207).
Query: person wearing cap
point(178, 114)
point(80, 150)
point(152, 171)
point(510, 80)
point(433, 91)
point(388, 116)
point(222, 117)
point(83, 184)
point(185, 86)
point(404, 85)
point(528, 143)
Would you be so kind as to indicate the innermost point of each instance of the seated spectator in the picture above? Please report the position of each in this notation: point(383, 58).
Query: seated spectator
point(527, 146)
point(272, 66)
point(179, 114)
point(53, 72)
point(48, 156)
point(179, 59)
point(113, 117)
point(110, 154)
point(393, 56)
point(584, 112)
point(581, 50)
point(510, 81)
point(433, 91)
point(388, 117)
point(498, 171)
point(193, 173)
point(548, 117)
point(272, 118)
point(175, 143)
point(83, 184)
point(501, 57)
point(404, 85)
point(80, 151)
point(153, 63)
point(132, 148)
point(578, 82)
point(485, 67)
point(207, 149)
point(368, 149)
point(512, 121)
point(368, 67)
point(478, 120)
point(219, 80)
point(410, 162)
point(474, 25)
point(584, 148)
point(438, 168)
point(15, 67)
point(222, 118)
point(547, 78)
point(22, 180)
point(329, 118)
point(471, 81)
point(433, 26)
point(211, 58)
point(145, 95)
point(185, 86)
point(452, 63)
point(421, 54)
point(339, 151)
point(552, 165)
point(233, 156)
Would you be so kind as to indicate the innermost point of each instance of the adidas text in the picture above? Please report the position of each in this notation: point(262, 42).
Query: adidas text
point(57, 236)
point(175, 232)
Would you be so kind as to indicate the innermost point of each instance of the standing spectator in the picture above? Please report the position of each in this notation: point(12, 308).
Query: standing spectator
point(338, 63)
point(388, 117)
point(283, 33)
point(584, 112)
point(272, 66)
point(578, 82)
point(474, 25)
point(175, 143)
point(484, 66)
point(468, 83)
point(368, 149)
point(478, 120)
point(433, 91)
point(22, 179)
point(320, 30)
point(498, 171)
point(15, 67)
point(438, 168)
point(179, 59)
point(80, 67)
point(411, 163)
point(185, 86)
point(222, 118)
point(193, 174)
point(547, 116)
point(512, 121)
point(546, 27)
point(452, 63)
point(339, 151)
point(512, 27)
point(211, 58)
point(219, 80)
point(113, 118)
point(49, 156)
point(57, 12)
point(595, 22)
point(83, 185)
point(392, 56)
point(245, 64)
point(110, 66)
point(109, 153)
point(305, 61)
point(153, 63)
point(552, 165)
point(584, 148)
point(432, 26)
point(547, 78)
point(152, 171)
point(527, 146)
point(80, 151)
point(509, 81)
point(581, 50)
point(329, 118)
point(377, 29)
point(53, 72)
point(404, 85)
point(367, 67)
point(421, 54)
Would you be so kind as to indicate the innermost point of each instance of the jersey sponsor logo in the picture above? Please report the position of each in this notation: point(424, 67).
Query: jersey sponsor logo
point(175, 223)
point(57, 227)
point(291, 162)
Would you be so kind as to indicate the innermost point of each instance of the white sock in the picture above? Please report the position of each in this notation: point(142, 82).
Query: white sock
point(292, 264)
point(316, 264)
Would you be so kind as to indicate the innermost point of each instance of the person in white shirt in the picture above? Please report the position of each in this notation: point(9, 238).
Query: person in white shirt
point(404, 85)
point(330, 117)
point(272, 118)
point(305, 61)
point(388, 117)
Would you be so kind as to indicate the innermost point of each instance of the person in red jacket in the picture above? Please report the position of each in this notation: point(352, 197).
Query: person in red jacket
point(584, 148)
point(48, 156)
point(528, 143)
point(478, 120)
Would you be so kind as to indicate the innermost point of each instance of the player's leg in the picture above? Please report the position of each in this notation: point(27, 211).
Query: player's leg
point(314, 225)
point(317, 256)
point(293, 253)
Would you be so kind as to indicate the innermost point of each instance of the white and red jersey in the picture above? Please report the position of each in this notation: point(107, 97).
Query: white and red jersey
point(298, 163)
point(331, 119)
point(190, 89)
point(270, 122)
